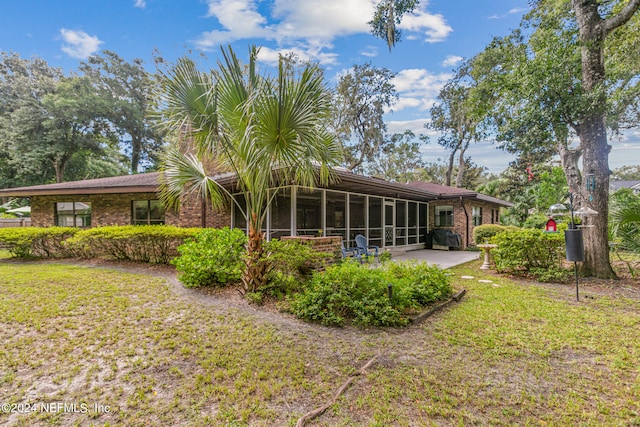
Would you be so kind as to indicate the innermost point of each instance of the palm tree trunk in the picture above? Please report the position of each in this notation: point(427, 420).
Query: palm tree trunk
point(254, 276)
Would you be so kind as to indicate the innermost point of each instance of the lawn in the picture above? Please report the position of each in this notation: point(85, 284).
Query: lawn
point(130, 350)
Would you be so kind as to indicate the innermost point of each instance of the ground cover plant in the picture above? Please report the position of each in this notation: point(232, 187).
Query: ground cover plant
point(386, 295)
point(155, 353)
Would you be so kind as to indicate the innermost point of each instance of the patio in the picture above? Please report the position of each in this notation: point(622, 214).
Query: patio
point(443, 259)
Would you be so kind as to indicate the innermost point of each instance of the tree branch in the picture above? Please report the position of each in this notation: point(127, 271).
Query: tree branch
point(621, 17)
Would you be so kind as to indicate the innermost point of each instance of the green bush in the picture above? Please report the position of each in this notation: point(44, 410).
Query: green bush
point(143, 243)
point(27, 242)
point(536, 221)
point(483, 233)
point(423, 283)
point(212, 257)
point(520, 251)
point(289, 265)
point(349, 292)
point(553, 274)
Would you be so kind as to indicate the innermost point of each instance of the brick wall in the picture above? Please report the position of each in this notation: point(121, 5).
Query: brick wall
point(322, 244)
point(115, 209)
point(190, 215)
point(462, 216)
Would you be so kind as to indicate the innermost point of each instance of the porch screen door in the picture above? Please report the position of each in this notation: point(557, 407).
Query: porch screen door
point(389, 222)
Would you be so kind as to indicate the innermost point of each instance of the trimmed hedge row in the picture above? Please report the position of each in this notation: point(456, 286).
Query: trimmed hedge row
point(154, 244)
point(29, 242)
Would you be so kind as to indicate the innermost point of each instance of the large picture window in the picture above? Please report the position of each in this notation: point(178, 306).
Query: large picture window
point(444, 216)
point(73, 214)
point(148, 212)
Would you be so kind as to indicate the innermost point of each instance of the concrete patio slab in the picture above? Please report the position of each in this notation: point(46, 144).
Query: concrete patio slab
point(443, 259)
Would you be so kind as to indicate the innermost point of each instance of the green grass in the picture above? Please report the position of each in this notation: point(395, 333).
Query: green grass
point(507, 354)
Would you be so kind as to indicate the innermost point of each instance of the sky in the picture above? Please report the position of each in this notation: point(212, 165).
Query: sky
point(436, 39)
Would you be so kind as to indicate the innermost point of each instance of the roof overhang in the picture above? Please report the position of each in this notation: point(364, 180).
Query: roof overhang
point(74, 191)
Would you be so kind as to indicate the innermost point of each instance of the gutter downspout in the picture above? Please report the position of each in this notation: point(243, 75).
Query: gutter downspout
point(466, 226)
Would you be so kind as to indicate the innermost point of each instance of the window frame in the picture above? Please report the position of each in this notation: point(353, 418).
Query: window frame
point(75, 215)
point(449, 219)
point(148, 220)
point(476, 215)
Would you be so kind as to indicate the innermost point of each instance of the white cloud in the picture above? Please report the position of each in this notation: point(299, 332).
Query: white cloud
point(418, 88)
point(514, 11)
point(416, 126)
point(307, 25)
point(271, 56)
point(452, 61)
point(517, 10)
point(433, 27)
point(79, 44)
point(370, 52)
point(141, 4)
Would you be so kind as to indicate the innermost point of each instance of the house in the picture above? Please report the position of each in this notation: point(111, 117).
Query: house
point(390, 215)
point(617, 185)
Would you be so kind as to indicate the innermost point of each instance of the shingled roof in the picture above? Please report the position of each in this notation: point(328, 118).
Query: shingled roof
point(139, 183)
point(148, 183)
point(445, 192)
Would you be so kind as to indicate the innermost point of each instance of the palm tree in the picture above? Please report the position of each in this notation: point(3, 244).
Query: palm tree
point(267, 131)
point(626, 226)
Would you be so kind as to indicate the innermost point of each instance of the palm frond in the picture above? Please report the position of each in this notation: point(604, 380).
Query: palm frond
point(183, 176)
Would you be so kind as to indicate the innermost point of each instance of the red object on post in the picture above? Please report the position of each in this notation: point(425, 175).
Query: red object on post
point(551, 226)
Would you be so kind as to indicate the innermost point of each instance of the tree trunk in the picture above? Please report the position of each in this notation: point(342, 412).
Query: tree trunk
point(461, 165)
point(593, 138)
point(449, 173)
point(254, 276)
point(596, 237)
point(136, 146)
point(569, 160)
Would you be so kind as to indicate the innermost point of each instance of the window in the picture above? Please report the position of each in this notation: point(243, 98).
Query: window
point(444, 216)
point(148, 212)
point(73, 214)
point(476, 214)
point(495, 216)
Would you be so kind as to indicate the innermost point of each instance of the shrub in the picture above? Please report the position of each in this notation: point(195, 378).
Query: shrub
point(484, 233)
point(536, 221)
point(290, 264)
point(143, 243)
point(423, 283)
point(212, 257)
point(26, 242)
point(349, 292)
point(554, 274)
point(520, 251)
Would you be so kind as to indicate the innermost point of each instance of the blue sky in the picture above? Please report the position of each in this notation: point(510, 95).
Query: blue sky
point(332, 32)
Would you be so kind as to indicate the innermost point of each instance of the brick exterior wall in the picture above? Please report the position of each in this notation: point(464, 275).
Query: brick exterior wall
point(115, 209)
point(321, 244)
point(460, 221)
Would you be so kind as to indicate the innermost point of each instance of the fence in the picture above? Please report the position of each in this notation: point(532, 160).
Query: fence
point(15, 222)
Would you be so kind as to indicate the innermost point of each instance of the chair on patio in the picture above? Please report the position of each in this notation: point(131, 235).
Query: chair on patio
point(351, 252)
point(364, 249)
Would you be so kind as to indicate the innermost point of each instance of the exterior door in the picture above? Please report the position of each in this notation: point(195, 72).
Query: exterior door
point(389, 222)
